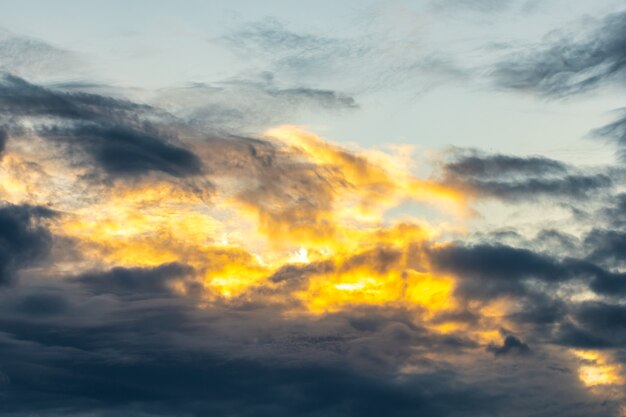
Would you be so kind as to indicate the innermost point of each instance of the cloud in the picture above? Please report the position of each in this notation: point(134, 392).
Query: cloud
point(3, 141)
point(386, 56)
point(476, 165)
point(570, 64)
point(614, 132)
point(135, 281)
point(91, 353)
point(615, 213)
point(33, 58)
point(607, 246)
point(41, 304)
point(516, 178)
point(510, 346)
point(118, 136)
point(482, 6)
point(595, 324)
point(248, 104)
point(570, 186)
point(291, 290)
point(24, 239)
point(488, 270)
point(609, 283)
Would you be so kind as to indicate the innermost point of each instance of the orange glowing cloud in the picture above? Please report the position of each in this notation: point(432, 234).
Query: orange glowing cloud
point(312, 203)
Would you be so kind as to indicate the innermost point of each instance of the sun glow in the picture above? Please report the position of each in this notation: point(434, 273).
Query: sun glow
point(598, 369)
point(326, 218)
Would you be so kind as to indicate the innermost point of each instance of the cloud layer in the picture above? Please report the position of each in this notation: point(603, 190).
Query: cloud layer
point(159, 261)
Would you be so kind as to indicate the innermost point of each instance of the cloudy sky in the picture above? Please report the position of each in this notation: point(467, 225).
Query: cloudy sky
point(332, 208)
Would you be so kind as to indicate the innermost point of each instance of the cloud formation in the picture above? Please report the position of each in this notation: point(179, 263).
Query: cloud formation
point(570, 64)
point(160, 262)
point(522, 178)
point(24, 238)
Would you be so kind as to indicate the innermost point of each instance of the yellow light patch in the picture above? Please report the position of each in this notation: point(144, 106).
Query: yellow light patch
point(237, 242)
point(596, 369)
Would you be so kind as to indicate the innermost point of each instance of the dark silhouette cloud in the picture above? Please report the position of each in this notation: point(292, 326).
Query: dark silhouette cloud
point(609, 283)
point(607, 246)
point(24, 240)
point(160, 356)
point(521, 178)
point(570, 186)
point(476, 165)
point(510, 346)
point(119, 136)
point(135, 281)
point(595, 324)
point(3, 140)
point(491, 270)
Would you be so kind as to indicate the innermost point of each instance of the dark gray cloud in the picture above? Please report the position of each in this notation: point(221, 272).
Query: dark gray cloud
point(126, 152)
point(615, 132)
point(607, 246)
point(595, 324)
point(609, 283)
point(476, 165)
point(541, 311)
point(615, 213)
point(3, 140)
point(571, 64)
point(24, 239)
point(569, 186)
point(41, 304)
point(488, 270)
point(124, 139)
point(522, 178)
point(510, 346)
point(138, 282)
point(75, 354)
point(205, 385)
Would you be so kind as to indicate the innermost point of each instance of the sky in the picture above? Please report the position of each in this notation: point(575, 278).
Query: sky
point(330, 208)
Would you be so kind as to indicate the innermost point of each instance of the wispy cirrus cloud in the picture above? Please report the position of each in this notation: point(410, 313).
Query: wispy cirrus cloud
point(569, 64)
